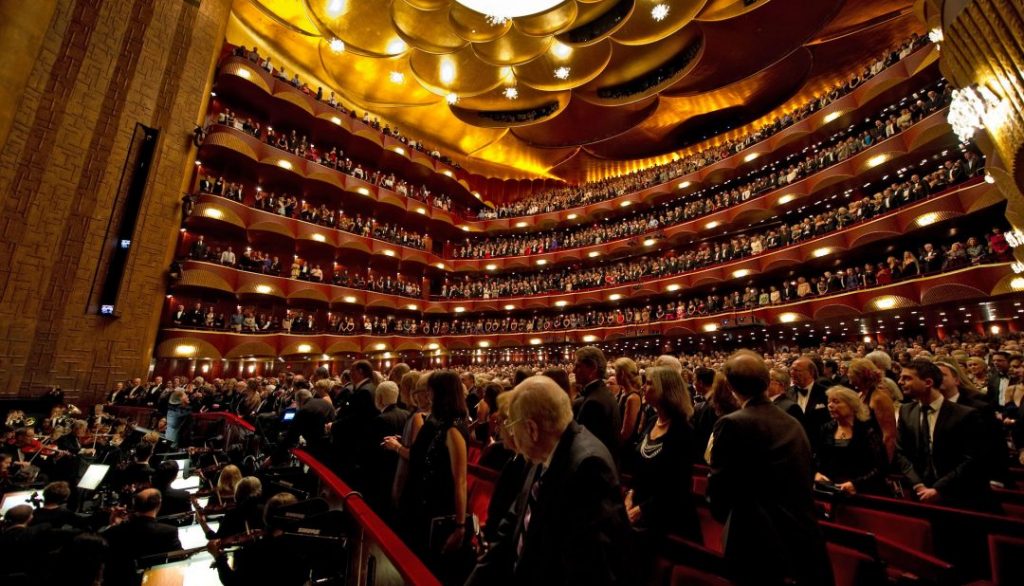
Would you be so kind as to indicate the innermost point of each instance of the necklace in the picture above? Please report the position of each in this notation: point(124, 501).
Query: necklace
point(844, 435)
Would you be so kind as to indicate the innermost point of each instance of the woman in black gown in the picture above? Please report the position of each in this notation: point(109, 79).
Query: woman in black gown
point(661, 500)
point(432, 509)
point(850, 453)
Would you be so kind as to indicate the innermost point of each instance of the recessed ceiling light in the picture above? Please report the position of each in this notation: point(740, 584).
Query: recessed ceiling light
point(562, 72)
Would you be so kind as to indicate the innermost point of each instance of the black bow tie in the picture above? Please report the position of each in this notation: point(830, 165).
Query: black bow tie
point(803, 392)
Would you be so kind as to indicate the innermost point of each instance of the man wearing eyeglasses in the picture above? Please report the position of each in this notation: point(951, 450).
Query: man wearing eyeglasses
point(570, 525)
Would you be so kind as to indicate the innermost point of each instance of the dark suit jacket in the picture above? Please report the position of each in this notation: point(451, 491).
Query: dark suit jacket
point(175, 501)
point(138, 536)
point(957, 454)
point(309, 422)
point(760, 487)
point(789, 406)
point(58, 518)
point(578, 531)
point(597, 410)
point(382, 463)
point(816, 413)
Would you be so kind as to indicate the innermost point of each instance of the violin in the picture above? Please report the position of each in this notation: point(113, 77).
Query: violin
point(38, 448)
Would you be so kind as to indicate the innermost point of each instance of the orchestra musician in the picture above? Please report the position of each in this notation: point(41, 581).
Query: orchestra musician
point(138, 536)
point(260, 561)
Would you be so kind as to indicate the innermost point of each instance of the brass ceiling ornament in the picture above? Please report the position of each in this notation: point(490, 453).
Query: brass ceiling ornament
point(462, 72)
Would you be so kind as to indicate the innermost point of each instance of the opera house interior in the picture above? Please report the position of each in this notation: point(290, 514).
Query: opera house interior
point(603, 292)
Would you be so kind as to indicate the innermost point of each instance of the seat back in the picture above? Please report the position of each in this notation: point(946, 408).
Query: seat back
point(710, 529)
point(1005, 555)
point(853, 568)
point(914, 533)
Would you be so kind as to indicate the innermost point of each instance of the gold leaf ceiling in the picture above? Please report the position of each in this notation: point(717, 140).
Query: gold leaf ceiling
point(601, 87)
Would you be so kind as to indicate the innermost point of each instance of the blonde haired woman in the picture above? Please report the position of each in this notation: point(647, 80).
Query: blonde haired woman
point(849, 453)
point(627, 376)
point(228, 480)
point(867, 380)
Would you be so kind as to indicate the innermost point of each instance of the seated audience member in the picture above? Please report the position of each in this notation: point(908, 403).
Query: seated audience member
point(138, 536)
point(760, 486)
point(261, 561)
point(939, 443)
point(849, 453)
point(571, 527)
point(661, 499)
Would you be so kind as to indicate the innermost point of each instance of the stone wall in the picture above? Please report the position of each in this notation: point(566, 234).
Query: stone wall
point(101, 68)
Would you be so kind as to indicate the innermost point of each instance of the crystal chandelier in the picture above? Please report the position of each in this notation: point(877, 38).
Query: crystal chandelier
point(974, 108)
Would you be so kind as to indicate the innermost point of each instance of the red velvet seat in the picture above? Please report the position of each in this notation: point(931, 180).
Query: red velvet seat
point(911, 532)
point(853, 568)
point(710, 529)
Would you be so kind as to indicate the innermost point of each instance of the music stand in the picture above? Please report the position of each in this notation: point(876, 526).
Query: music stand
point(13, 499)
point(93, 476)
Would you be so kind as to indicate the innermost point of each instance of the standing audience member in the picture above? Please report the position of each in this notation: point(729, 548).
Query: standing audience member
point(382, 462)
point(432, 510)
point(850, 454)
point(661, 500)
point(595, 408)
point(760, 486)
point(939, 443)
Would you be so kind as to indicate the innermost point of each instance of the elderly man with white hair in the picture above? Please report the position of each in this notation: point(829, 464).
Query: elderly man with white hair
point(570, 525)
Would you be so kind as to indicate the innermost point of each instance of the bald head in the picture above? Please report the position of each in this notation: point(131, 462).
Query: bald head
point(147, 502)
point(747, 374)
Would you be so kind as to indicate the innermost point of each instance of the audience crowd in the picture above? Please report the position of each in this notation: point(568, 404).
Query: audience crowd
point(322, 215)
point(722, 196)
point(600, 450)
point(609, 188)
point(926, 259)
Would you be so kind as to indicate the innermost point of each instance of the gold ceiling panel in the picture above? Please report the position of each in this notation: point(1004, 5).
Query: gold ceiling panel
point(514, 48)
point(527, 98)
point(365, 27)
point(630, 62)
point(473, 26)
point(428, 30)
point(581, 66)
point(460, 72)
point(395, 85)
point(402, 58)
point(552, 22)
point(644, 28)
point(725, 9)
point(290, 13)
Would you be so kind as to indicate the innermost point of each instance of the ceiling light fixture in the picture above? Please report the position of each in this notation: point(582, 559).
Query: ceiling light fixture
point(396, 77)
point(337, 45)
point(511, 93)
point(452, 99)
point(659, 12)
point(562, 73)
point(561, 50)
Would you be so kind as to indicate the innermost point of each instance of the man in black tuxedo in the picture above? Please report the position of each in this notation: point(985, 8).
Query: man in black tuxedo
point(994, 452)
point(938, 442)
point(137, 392)
point(119, 396)
point(140, 535)
point(153, 392)
point(352, 431)
point(780, 383)
point(570, 524)
point(595, 407)
point(760, 486)
point(809, 394)
point(998, 377)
